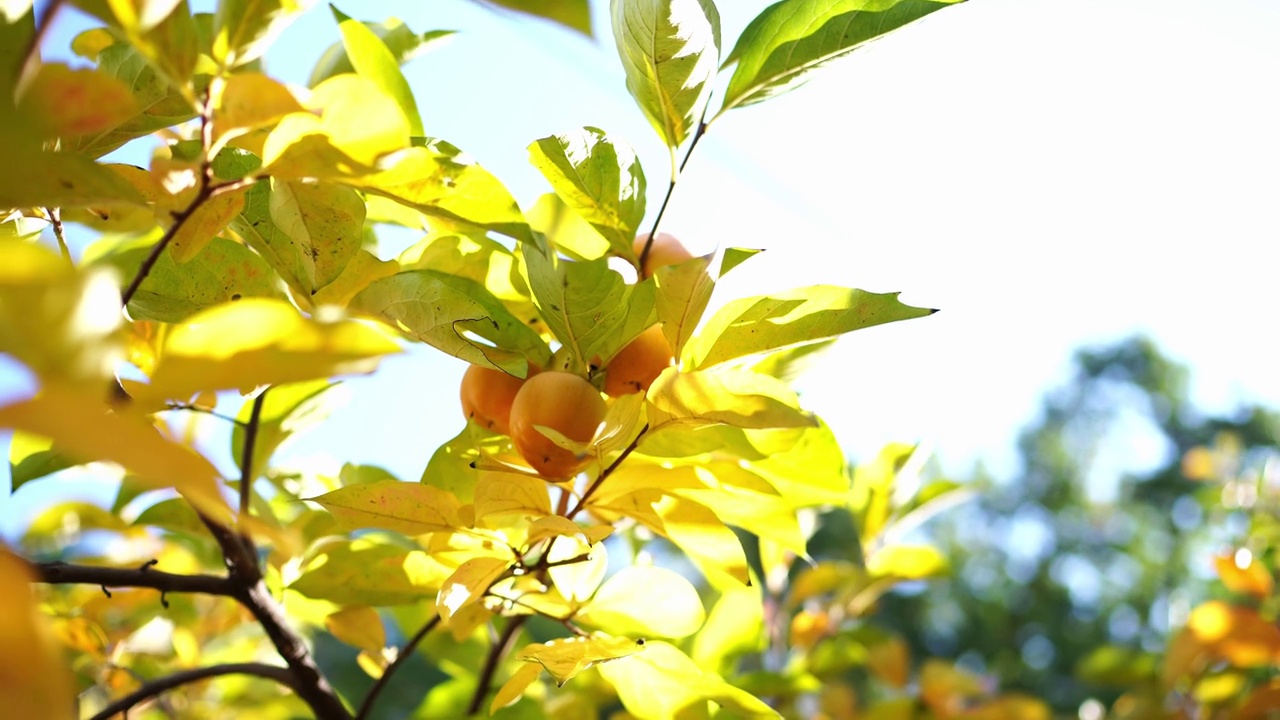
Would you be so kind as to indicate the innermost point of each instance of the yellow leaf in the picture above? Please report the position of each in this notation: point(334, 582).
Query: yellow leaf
point(373, 664)
point(1010, 707)
point(505, 493)
point(663, 683)
point(409, 508)
point(513, 689)
point(259, 341)
point(908, 562)
point(576, 581)
point(85, 428)
point(358, 626)
point(211, 218)
point(463, 623)
point(708, 542)
point(363, 269)
point(890, 661)
point(351, 125)
point(646, 601)
point(468, 584)
point(34, 680)
point(1250, 578)
point(734, 627)
point(1238, 635)
point(68, 103)
point(249, 101)
point(947, 689)
point(808, 627)
point(551, 526)
point(740, 398)
point(60, 323)
point(566, 657)
point(324, 220)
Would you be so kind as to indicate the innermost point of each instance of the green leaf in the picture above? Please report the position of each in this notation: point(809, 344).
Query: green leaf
point(645, 601)
point(790, 363)
point(452, 466)
point(598, 177)
point(173, 514)
point(588, 306)
point(32, 457)
point(449, 313)
point(222, 271)
point(790, 39)
point(662, 682)
point(409, 508)
point(740, 398)
point(373, 59)
point(573, 14)
point(403, 43)
point(160, 104)
point(477, 258)
point(733, 257)
point(257, 341)
point(286, 411)
point(1116, 666)
point(244, 29)
point(325, 221)
point(669, 51)
point(358, 573)
point(755, 325)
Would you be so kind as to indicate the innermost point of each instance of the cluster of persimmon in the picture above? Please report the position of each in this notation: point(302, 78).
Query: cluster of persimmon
point(566, 402)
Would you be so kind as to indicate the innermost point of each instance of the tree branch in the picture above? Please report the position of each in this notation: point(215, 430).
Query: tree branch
point(205, 192)
point(582, 502)
point(246, 457)
point(500, 648)
point(59, 573)
point(671, 187)
point(405, 653)
point(156, 687)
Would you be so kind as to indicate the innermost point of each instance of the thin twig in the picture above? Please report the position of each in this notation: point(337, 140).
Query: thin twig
point(671, 187)
point(405, 653)
point(205, 411)
point(582, 501)
point(157, 687)
point(500, 648)
point(60, 573)
point(55, 219)
point(246, 458)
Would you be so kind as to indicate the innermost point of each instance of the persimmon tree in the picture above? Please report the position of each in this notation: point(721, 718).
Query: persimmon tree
point(242, 265)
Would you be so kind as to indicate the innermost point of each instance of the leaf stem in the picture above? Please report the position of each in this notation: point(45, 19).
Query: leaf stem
point(204, 411)
point(582, 501)
point(246, 457)
point(675, 177)
point(366, 706)
point(55, 219)
point(500, 648)
point(156, 687)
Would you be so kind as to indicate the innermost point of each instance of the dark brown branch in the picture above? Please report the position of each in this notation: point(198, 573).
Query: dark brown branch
point(59, 573)
point(179, 220)
point(156, 687)
point(31, 56)
point(582, 502)
point(246, 458)
point(500, 648)
point(59, 233)
point(405, 653)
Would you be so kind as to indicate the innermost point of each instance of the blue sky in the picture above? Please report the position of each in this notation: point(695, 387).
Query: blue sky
point(1049, 173)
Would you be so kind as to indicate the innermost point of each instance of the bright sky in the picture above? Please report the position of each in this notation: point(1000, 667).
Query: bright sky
point(1049, 173)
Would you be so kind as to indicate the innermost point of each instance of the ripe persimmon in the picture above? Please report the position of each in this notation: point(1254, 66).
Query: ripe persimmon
point(666, 250)
point(563, 402)
point(637, 365)
point(487, 395)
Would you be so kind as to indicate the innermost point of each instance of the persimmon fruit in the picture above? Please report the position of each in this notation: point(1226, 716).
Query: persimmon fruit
point(563, 402)
point(637, 365)
point(666, 250)
point(487, 395)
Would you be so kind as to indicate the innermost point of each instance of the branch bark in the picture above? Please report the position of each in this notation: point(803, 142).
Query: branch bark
point(500, 648)
point(156, 687)
point(58, 573)
point(406, 652)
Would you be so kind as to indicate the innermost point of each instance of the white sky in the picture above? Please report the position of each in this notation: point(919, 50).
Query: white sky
point(1049, 173)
